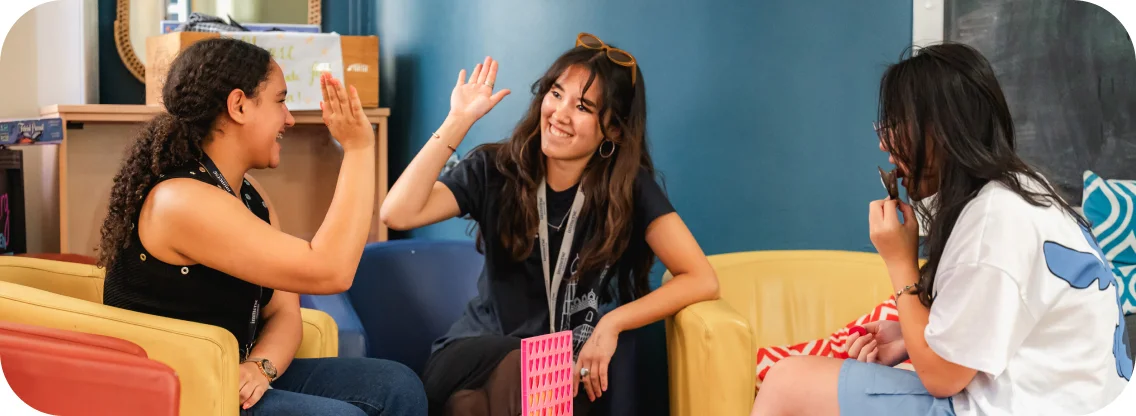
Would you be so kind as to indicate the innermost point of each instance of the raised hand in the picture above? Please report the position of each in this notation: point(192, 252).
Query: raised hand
point(897, 243)
point(473, 98)
point(343, 114)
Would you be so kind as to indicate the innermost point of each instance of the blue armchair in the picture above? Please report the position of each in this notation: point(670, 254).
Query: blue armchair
point(407, 293)
point(412, 291)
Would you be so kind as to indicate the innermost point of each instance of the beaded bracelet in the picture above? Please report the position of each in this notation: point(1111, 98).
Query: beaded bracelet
point(909, 289)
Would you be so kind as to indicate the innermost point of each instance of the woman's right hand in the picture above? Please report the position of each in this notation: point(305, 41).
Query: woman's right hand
point(473, 98)
point(343, 114)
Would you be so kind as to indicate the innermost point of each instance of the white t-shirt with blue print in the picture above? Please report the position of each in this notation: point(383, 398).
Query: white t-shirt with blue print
point(1024, 296)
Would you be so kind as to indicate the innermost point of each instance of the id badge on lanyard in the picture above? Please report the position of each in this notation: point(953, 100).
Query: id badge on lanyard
point(207, 163)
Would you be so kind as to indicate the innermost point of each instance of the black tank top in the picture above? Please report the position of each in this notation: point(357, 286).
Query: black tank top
point(139, 282)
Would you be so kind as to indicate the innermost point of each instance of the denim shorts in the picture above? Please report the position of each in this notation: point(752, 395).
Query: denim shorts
point(873, 389)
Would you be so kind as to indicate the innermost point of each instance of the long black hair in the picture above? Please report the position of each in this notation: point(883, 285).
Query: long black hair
point(199, 82)
point(942, 113)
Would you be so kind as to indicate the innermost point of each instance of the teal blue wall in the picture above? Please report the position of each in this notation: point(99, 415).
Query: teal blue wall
point(760, 112)
point(116, 84)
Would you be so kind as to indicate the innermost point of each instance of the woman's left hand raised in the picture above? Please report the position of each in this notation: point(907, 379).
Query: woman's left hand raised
point(897, 243)
point(595, 356)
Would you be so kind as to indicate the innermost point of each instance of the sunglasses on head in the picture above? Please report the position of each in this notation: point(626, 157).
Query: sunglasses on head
point(618, 56)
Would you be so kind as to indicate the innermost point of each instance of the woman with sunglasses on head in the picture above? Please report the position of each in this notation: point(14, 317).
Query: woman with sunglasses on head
point(1016, 311)
point(573, 182)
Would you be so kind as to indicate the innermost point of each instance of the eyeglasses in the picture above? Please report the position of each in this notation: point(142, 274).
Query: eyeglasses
point(618, 56)
point(882, 128)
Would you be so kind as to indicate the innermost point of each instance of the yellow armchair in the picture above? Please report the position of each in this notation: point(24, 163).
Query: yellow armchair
point(69, 296)
point(768, 298)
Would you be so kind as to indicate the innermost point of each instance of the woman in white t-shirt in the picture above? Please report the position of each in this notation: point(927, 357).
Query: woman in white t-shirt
point(1015, 311)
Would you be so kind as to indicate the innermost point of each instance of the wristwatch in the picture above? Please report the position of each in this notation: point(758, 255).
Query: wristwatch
point(265, 367)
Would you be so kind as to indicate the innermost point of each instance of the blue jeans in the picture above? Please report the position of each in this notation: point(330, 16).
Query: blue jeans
point(343, 386)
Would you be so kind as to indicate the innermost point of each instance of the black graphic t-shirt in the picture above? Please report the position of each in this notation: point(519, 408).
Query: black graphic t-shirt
point(511, 295)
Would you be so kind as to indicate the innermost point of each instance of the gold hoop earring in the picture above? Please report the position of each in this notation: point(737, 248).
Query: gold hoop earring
point(608, 154)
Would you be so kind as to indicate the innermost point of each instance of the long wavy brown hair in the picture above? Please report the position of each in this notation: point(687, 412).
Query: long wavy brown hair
point(199, 82)
point(608, 183)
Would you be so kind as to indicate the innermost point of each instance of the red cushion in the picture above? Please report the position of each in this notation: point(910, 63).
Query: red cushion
point(67, 257)
point(72, 337)
point(835, 346)
point(60, 375)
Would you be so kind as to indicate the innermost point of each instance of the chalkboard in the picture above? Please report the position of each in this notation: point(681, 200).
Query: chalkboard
point(1069, 74)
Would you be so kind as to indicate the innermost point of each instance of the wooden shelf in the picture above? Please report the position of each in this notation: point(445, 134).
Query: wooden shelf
point(126, 113)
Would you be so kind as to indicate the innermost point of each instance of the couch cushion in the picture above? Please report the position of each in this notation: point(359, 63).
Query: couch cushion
point(61, 375)
point(71, 337)
point(1109, 205)
point(790, 297)
point(80, 281)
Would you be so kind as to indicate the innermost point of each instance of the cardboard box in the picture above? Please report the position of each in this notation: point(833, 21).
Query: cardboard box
point(360, 63)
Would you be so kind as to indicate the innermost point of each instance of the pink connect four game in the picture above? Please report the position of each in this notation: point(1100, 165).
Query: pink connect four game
point(546, 375)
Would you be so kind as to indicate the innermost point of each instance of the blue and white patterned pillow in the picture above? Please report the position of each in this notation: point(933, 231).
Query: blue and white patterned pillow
point(1110, 205)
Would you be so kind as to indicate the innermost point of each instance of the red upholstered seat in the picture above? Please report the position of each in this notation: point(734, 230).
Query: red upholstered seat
point(71, 373)
point(72, 337)
point(67, 257)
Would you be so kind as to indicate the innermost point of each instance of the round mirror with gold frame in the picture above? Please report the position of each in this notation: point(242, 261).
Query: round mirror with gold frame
point(137, 20)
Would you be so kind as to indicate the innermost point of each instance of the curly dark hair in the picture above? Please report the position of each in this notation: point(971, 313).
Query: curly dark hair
point(195, 94)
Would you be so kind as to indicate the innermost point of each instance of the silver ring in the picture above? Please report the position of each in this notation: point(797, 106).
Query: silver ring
point(489, 84)
point(584, 372)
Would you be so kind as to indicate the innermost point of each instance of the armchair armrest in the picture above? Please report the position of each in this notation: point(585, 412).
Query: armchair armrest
point(321, 335)
point(712, 361)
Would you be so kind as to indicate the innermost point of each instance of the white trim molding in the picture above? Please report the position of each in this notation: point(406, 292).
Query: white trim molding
point(927, 18)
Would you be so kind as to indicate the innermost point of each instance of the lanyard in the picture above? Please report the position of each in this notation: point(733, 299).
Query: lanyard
point(207, 163)
point(552, 285)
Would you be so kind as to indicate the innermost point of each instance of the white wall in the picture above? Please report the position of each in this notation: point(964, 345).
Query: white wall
point(926, 22)
point(49, 57)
